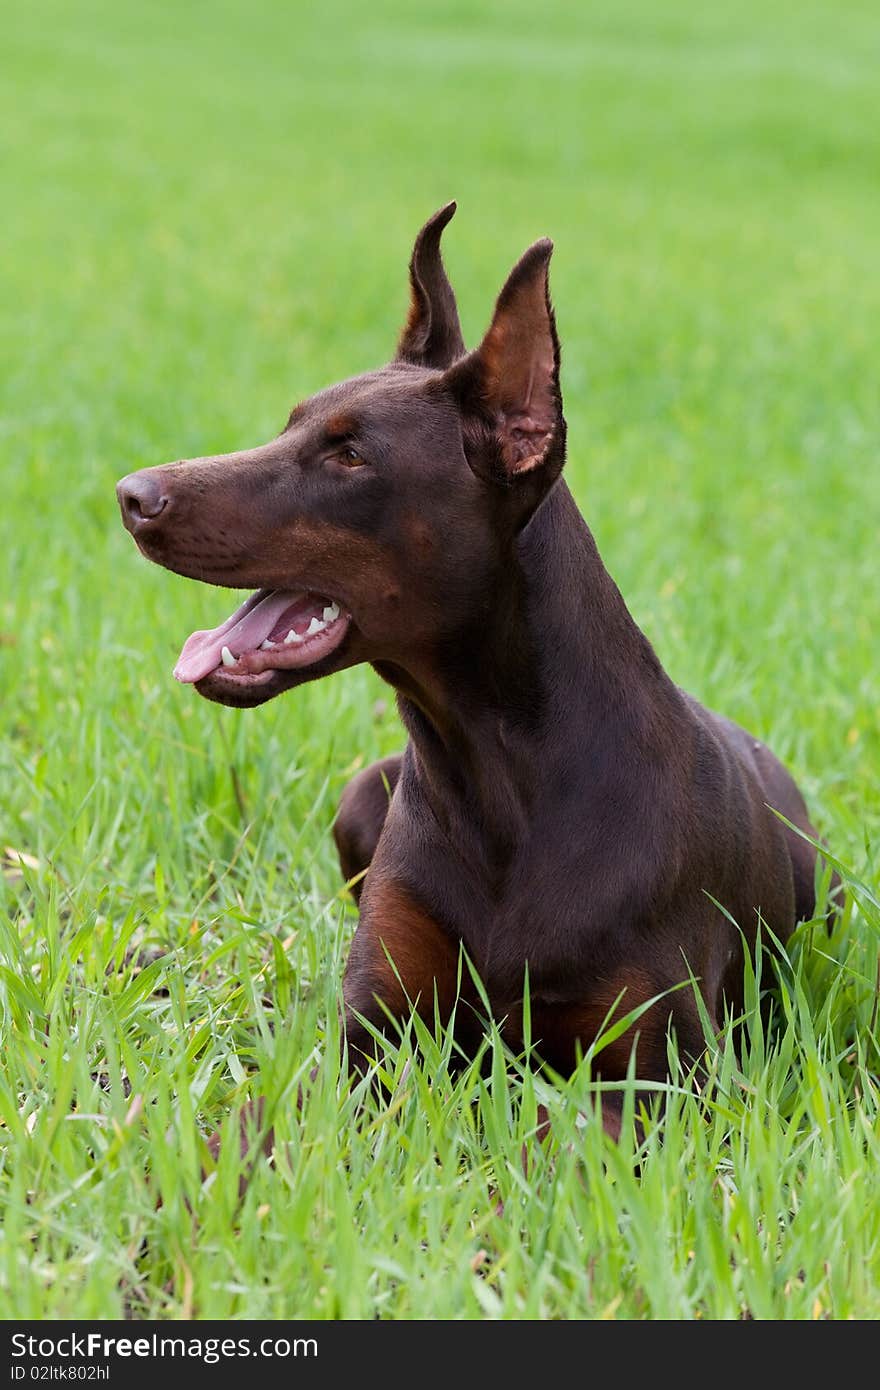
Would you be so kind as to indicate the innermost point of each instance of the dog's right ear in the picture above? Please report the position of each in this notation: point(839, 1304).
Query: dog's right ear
point(432, 334)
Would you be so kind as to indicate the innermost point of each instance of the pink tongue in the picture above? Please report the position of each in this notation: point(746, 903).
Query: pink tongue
point(243, 632)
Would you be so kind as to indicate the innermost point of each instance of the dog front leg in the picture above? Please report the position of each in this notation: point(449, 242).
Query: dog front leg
point(363, 807)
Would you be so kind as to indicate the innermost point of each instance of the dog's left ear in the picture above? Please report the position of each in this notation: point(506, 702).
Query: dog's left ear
point(510, 386)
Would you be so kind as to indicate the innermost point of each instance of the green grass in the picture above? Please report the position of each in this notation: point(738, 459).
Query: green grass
point(208, 211)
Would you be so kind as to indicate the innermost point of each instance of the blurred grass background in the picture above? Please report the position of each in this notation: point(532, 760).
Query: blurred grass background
point(208, 210)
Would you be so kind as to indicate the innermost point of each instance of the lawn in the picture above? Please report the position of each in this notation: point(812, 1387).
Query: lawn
point(208, 212)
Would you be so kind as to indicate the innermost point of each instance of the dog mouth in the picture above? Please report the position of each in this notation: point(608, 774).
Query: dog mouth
point(273, 630)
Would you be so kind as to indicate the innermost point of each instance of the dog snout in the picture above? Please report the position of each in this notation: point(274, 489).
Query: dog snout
point(142, 498)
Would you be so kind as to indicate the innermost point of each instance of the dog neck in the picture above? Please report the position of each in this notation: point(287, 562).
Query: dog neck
point(561, 675)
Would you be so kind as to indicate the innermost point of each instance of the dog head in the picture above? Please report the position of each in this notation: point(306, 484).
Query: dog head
point(382, 517)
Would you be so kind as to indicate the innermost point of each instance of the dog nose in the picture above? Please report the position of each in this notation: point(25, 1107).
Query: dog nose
point(141, 498)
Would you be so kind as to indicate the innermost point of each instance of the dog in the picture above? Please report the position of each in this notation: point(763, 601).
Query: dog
point(562, 810)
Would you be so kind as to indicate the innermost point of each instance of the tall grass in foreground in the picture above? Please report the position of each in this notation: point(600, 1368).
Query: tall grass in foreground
point(750, 1194)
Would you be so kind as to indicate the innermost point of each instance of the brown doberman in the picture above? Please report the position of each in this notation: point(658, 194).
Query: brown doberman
point(561, 807)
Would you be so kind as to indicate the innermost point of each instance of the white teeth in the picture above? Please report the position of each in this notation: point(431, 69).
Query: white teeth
point(315, 626)
point(331, 613)
point(266, 645)
point(226, 657)
point(292, 637)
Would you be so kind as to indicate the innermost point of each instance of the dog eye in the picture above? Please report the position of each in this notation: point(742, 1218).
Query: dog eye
point(350, 456)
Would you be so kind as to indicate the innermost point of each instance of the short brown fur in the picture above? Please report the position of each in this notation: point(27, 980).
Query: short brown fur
point(562, 812)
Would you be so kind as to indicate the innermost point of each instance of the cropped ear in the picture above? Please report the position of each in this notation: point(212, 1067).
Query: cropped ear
point(511, 383)
point(432, 334)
